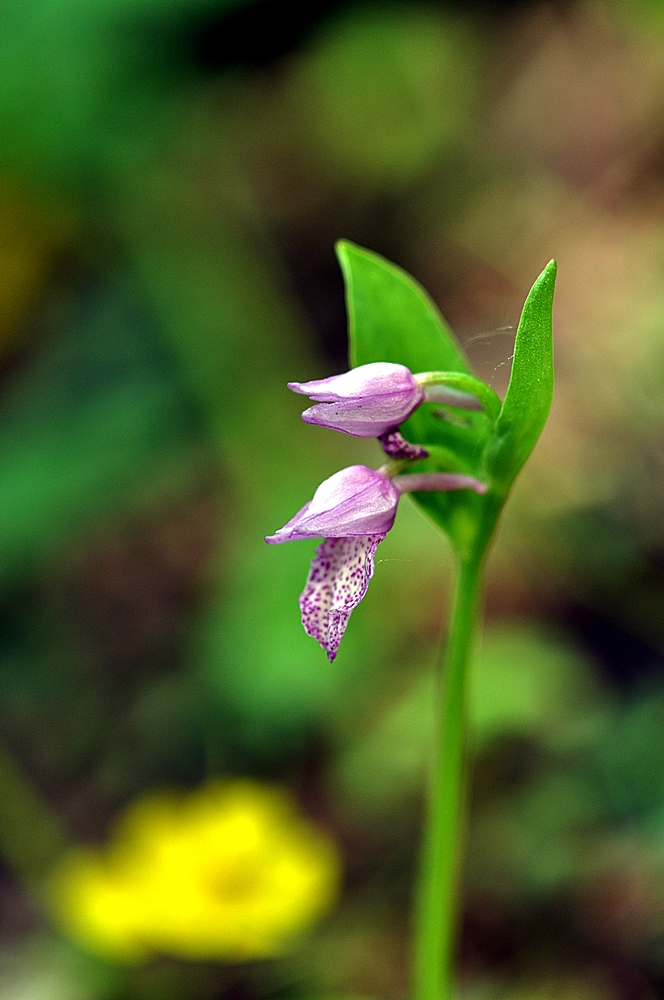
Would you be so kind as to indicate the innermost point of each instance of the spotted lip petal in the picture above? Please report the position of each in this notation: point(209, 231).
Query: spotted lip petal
point(366, 402)
point(338, 579)
point(356, 501)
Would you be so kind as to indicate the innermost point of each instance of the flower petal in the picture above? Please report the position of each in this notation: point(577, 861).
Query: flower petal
point(363, 418)
point(380, 377)
point(355, 501)
point(338, 579)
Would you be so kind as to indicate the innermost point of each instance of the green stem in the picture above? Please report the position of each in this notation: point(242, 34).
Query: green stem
point(465, 384)
point(437, 905)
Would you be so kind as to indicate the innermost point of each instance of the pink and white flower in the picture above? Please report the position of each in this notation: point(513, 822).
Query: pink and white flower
point(353, 510)
point(367, 401)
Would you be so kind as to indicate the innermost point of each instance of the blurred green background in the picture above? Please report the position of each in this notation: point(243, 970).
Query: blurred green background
point(173, 174)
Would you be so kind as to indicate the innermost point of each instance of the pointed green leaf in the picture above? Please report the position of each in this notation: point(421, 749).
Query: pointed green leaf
point(391, 317)
point(530, 391)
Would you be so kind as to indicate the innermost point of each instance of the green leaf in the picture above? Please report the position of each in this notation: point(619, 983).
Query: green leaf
point(391, 317)
point(530, 391)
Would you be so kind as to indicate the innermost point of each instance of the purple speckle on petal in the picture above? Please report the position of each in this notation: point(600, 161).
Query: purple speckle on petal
point(338, 579)
point(395, 445)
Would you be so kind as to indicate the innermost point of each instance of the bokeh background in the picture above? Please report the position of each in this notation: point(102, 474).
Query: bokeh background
point(173, 175)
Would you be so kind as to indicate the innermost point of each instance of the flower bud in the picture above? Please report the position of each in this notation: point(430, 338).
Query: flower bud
point(367, 401)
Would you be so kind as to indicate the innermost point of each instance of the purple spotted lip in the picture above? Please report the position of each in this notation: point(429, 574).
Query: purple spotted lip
point(353, 510)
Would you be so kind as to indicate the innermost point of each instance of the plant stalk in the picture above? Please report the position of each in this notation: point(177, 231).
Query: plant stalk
point(437, 902)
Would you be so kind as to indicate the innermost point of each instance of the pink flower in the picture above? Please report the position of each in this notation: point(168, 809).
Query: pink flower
point(353, 510)
point(355, 501)
point(372, 400)
point(367, 401)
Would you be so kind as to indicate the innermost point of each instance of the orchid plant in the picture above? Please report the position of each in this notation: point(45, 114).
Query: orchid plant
point(409, 380)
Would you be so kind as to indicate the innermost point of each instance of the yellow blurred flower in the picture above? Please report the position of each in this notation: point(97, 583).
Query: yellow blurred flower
point(231, 871)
